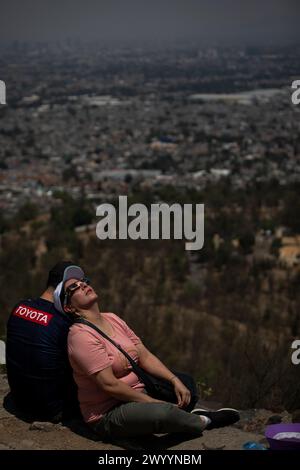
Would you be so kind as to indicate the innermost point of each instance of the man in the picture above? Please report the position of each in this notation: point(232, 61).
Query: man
point(38, 370)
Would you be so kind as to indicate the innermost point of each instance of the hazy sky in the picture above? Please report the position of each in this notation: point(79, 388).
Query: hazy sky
point(139, 19)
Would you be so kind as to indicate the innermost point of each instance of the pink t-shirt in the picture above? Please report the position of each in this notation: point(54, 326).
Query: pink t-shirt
point(90, 353)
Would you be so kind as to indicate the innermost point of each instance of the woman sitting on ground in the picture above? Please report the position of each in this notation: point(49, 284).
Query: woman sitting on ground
point(112, 398)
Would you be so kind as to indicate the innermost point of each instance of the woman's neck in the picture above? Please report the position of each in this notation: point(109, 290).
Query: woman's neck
point(93, 314)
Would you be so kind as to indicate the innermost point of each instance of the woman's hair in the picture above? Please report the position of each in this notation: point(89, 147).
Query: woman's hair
point(73, 316)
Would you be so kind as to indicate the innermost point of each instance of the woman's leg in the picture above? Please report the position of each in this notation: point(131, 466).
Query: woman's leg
point(136, 419)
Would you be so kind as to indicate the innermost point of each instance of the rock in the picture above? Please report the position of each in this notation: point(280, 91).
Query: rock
point(4, 447)
point(42, 426)
point(257, 420)
point(275, 419)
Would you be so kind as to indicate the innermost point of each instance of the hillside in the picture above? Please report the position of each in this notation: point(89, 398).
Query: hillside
point(227, 314)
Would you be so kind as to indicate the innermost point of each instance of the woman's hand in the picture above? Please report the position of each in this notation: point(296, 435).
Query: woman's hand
point(182, 393)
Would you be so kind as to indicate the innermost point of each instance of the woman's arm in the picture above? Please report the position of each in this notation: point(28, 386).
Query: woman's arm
point(153, 365)
point(119, 390)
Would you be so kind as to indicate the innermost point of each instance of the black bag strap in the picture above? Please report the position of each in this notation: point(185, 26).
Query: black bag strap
point(91, 325)
point(142, 375)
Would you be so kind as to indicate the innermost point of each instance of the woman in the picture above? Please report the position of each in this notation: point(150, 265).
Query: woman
point(112, 398)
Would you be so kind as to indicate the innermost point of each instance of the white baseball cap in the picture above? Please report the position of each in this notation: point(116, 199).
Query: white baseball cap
point(71, 272)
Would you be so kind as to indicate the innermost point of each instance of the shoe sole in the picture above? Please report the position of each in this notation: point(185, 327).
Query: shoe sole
point(220, 409)
point(213, 425)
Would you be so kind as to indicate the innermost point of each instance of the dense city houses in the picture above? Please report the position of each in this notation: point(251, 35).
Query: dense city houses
point(93, 120)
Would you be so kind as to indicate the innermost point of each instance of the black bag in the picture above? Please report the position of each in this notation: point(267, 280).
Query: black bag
point(157, 387)
point(162, 389)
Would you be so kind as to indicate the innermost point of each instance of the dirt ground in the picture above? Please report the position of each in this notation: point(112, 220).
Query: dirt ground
point(17, 434)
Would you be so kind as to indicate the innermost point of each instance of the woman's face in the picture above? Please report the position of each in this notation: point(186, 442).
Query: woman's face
point(82, 297)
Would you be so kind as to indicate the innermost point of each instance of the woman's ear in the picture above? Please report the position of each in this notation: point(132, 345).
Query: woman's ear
point(69, 309)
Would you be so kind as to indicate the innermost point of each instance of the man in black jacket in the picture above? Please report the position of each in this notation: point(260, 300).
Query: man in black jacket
point(38, 370)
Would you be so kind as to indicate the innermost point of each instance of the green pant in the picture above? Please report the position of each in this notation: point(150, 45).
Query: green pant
point(136, 419)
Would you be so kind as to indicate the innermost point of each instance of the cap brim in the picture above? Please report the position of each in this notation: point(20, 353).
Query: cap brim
point(56, 297)
point(72, 272)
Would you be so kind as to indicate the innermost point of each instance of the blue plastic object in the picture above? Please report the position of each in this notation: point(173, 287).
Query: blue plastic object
point(251, 445)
